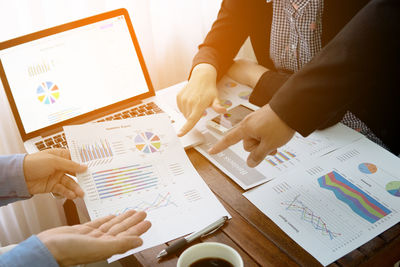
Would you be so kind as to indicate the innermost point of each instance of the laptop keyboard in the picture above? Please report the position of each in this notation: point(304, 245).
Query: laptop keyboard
point(59, 141)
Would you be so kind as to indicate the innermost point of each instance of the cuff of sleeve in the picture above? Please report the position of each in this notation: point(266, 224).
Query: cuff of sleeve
point(18, 180)
point(294, 121)
point(12, 178)
point(210, 56)
point(298, 121)
point(29, 252)
point(267, 85)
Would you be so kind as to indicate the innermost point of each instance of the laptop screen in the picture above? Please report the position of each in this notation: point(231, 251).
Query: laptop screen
point(63, 75)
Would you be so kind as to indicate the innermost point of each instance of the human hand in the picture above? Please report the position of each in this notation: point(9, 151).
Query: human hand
point(45, 172)
point(262, 132)
point(200, 93)
point(246, 72)
point(96, 240)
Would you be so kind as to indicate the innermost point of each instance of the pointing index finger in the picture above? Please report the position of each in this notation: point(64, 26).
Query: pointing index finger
point(231, 138)
point(68, 166)
point(190, 123)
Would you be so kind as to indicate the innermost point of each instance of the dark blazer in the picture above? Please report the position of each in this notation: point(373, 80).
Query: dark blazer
point(238, 19)
point(359, 70)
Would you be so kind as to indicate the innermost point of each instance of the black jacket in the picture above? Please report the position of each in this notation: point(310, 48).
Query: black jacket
point(303, 106)
point(239, 19)
point(359, 70)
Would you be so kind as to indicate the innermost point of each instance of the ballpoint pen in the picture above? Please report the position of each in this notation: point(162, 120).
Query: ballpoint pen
point(175, 246)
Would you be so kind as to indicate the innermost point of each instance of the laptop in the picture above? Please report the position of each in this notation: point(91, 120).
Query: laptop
point(90, 70)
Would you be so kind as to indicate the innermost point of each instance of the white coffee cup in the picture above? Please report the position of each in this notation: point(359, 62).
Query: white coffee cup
point(209, 250)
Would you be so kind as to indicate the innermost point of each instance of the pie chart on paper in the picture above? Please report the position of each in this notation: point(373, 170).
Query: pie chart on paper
point(244, 95)
point(147, 142)
point(226, 103)
point(48, 93)
point(367, 168)
point(230, 84)
point(393, 188)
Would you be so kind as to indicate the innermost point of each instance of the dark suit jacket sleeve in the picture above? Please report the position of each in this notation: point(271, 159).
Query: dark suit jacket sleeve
point(357, 68)
point(236, 20)
point(266, 87)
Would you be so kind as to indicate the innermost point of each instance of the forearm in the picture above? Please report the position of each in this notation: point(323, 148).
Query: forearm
point(246, 72)
point(264, 82)
point(31, 252)
point(12, 180)
point(205, 72)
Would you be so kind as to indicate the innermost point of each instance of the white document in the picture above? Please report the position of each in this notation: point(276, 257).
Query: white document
point(336, 204)
point(297, 151)
point(140, 164)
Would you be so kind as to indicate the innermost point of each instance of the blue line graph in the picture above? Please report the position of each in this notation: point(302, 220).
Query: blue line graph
point(160, 201)
point(308, 215)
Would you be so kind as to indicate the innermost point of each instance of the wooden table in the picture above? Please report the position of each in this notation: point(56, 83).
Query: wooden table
point(258, 240)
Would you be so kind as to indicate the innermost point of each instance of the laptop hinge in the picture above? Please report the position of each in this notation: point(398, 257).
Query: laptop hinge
point(93, 117)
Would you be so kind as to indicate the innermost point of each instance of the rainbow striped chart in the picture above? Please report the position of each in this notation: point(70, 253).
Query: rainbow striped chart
point(124, 180)
point(147, 142)
point(279, 158)
point(307, 215)
point(100, 150)
point(47, 93)
point(393, 188)
point(361, 203)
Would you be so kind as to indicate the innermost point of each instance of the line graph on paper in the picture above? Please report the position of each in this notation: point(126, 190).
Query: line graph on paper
point(308, 215)
point(160, 201)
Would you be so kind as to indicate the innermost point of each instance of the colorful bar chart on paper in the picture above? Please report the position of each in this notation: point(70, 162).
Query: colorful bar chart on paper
point(360, 202)
point(279, 158)
point(114, 182)
point(98, 150)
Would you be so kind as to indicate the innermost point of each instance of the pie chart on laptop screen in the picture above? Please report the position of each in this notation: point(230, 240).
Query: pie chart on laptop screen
point(48, 93)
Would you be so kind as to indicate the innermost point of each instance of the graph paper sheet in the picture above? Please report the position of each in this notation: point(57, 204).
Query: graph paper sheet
point(337, 203)
point(140, 164)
